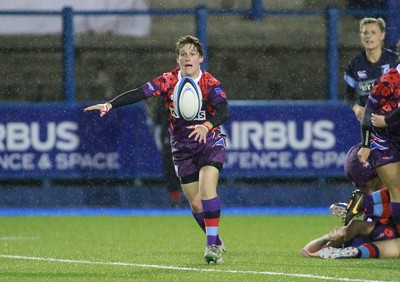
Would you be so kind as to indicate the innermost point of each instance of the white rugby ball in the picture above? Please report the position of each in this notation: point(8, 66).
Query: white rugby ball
point(187, 99)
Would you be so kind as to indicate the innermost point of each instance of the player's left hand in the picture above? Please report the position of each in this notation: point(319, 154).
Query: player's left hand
point(363, 155)
point(103, 108)
point(199, 132)
point(378, 121)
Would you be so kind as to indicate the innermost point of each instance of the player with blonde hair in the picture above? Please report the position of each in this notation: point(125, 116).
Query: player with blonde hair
point(366, 67)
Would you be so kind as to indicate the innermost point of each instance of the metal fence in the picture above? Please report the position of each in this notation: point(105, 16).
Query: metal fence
point(201, 15)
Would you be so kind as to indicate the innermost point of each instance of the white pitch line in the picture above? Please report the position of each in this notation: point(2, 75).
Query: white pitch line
point(17, 238)
point(190, 268)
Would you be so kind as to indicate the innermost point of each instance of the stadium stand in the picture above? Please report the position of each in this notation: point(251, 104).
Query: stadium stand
point(255, 60)
point(257, 55)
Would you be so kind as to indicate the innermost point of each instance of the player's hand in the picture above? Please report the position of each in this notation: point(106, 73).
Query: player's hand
point(306, 253)
point(103, 108)
point(363, 155)
point(358, 111)
point(378, 121)
point(199, 132)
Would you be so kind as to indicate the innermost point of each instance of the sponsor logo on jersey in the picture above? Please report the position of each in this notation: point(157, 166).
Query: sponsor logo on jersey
point(150, 86)
point(385, 68)
point(366, 87)
point(200, 116)
point(220, 92)
point(362, 74)
point(373, 100)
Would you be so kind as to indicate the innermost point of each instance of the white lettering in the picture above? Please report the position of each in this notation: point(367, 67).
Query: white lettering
point(21, 136)
point(275, 133)
point(327, 159)
point(284, 160)
point(44, 162)
point(16, 161)
point(2, 137)
point(279, 135)
point(251, 133)
point(100, 161)
point(17, 137)
point(324, 138)
point(249, 160)
point(298, 144)
point(46, 145)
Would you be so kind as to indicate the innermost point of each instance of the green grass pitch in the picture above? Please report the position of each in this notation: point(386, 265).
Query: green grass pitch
point(170, 248)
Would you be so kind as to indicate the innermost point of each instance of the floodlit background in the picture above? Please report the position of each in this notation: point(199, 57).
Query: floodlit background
point(275, 59)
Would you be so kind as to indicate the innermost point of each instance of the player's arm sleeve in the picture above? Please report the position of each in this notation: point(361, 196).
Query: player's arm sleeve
point(128, 97)
point(394, 116)
point(366, 127)
point(350, 96)
point(221, 114)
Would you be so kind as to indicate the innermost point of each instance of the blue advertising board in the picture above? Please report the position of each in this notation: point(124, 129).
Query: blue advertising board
point(289, 139)
point(264, 139)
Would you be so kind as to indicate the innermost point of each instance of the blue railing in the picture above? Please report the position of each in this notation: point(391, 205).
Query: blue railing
point(201, 13)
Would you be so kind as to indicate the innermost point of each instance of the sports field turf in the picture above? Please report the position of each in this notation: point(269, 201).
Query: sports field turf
point(170, 248)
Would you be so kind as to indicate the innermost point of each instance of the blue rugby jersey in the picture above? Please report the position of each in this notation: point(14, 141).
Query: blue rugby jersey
point(361, 74)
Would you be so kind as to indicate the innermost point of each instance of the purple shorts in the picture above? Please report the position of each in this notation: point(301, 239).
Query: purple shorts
point(384, 232)
point(189, 157)
point(383, 151)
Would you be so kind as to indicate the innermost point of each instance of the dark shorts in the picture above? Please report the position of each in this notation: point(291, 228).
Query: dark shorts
point(384, 232)
point(190, 157)
point(383, 151)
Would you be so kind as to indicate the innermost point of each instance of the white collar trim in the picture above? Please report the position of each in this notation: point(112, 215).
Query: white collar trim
point(197, 79)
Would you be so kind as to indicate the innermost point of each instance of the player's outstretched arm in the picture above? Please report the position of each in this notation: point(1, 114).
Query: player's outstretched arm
point(103, 108)
point(312, 248)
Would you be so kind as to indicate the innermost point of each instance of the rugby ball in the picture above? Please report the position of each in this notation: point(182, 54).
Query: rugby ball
point(187, 99)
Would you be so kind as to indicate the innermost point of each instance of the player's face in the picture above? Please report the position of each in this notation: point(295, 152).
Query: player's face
point(371, 36)
point(189, 61)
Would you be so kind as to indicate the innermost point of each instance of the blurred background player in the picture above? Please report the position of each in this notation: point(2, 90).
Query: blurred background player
point(158, 120)
point(366, 67)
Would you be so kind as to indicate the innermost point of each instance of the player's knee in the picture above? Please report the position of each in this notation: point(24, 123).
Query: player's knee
point(196, 206)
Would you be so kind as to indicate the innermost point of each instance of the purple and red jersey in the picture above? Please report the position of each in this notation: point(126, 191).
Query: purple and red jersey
point(385, 98)
point(212, 91)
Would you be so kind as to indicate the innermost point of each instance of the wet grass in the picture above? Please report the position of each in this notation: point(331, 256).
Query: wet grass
point(170, 248)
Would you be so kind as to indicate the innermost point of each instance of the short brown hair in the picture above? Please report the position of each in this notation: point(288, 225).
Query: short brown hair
point(189, 39)
point(379, 21)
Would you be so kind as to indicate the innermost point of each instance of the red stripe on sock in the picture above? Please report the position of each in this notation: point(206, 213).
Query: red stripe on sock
point(211, 221)
point(371, 249)
point(385, 195)
point(386, 210)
